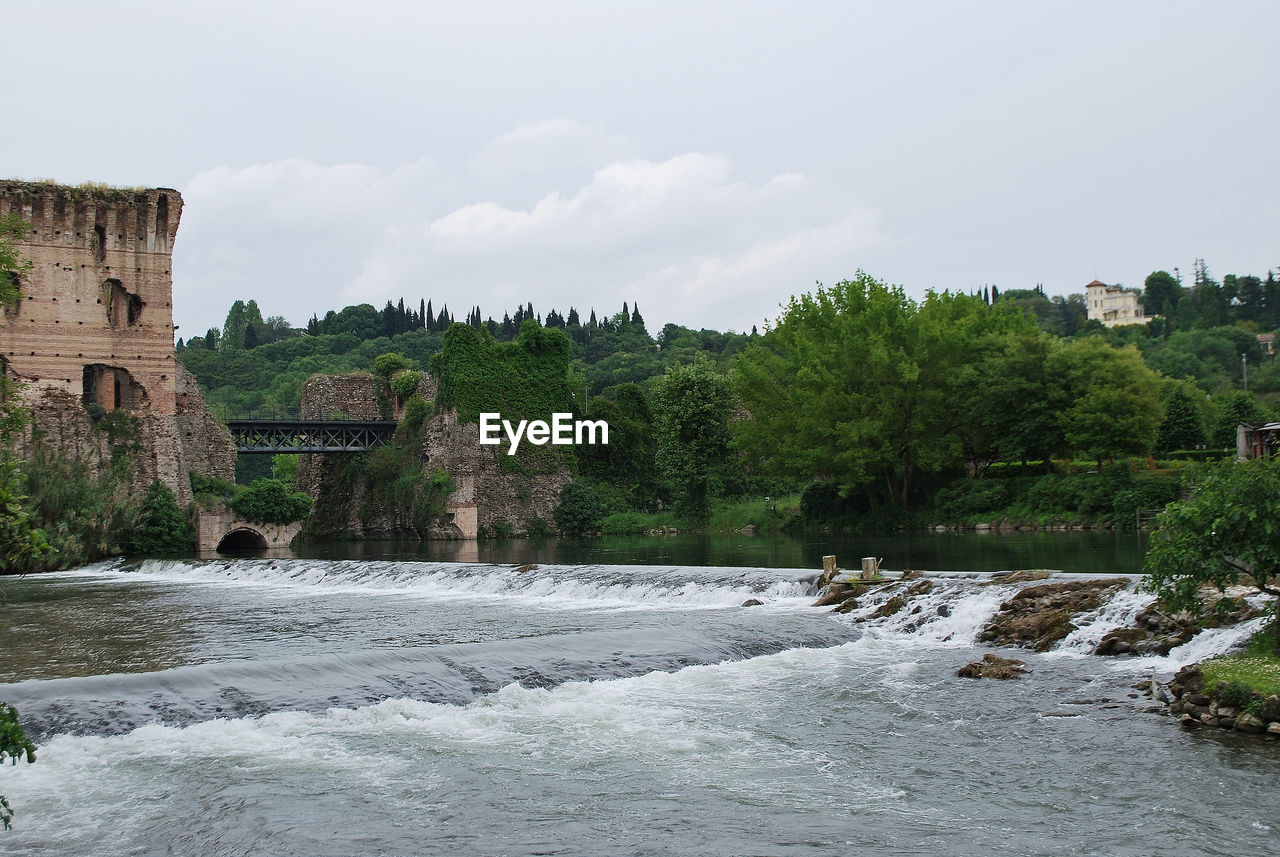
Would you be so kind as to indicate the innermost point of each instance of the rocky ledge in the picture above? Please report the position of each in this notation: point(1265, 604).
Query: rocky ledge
point(1040, 615)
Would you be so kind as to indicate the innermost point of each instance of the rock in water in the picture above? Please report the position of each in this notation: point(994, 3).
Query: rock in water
point(752, 602)
point(993, 666)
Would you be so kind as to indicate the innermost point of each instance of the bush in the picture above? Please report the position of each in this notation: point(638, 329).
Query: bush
point(416, 411)
point(269, 501)
point(969, 497)
point(405, 384)
point(580, 509)
point(14, 745)
point(1150, 493)
point(162, 529)
point(538, 528)
point(1240, 696)
point(211, 485)
point(389, 364)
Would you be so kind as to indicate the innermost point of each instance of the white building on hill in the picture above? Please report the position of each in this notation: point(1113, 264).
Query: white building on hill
point(1113, 305)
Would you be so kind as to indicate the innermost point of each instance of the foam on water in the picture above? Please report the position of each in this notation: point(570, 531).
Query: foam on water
point(952, 612)
point(609, 587)
point(1121, 611)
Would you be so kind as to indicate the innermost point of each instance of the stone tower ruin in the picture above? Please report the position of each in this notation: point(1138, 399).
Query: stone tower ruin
point(93, 331)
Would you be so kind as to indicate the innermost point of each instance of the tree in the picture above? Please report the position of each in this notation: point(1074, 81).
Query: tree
point(580, 509)
point(1228, 530)
point(161, 529)
point(1183, 423)
point(857, 384)
point(1113, 399)
point(692, 404)
point(1234, 409)
point(1160, 292)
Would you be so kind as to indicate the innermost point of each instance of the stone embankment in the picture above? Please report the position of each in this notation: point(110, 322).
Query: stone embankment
point(1199, 707)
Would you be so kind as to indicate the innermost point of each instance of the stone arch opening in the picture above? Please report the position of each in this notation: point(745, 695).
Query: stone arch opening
point(124, 308)
point(242, 540)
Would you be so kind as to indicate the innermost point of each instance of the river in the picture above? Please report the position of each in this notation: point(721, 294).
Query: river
point(399, 704)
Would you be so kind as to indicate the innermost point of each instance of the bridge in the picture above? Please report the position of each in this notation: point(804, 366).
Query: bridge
point(297, 435)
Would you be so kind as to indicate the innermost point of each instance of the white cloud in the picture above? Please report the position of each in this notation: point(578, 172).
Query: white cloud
point(684, 237)
point(553, 153)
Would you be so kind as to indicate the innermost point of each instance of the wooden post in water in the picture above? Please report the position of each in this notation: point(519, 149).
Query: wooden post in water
point(828, 569)
point(870, 568)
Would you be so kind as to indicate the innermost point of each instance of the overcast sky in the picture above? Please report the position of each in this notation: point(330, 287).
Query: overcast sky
point(706, 160)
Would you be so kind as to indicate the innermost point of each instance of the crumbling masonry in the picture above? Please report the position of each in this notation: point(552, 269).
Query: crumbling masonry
point(93, 331)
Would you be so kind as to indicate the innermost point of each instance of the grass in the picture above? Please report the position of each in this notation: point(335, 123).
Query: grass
point(1257, 667)
point(769, 515)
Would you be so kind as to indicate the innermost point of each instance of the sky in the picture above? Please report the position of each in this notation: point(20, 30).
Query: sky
point(702, 160)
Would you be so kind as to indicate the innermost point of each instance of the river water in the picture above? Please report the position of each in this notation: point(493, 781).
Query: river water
point(323, 706)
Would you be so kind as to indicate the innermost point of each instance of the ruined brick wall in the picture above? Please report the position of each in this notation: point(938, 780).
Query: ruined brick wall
point(94, 331)
point(487, 499)
point(204, 443)
point(97, 305)
point(354, 396)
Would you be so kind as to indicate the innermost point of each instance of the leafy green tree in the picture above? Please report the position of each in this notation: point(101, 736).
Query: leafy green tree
point(858, 385)
point(1010, 400)
point(692, 405)
point(1183, 423)
point(1113, 398)
point(1233, 409)
point(1161, 293)
point(389, 364)
point(161, 528)
point(1226, 533)
point(628, 462)
point(580, 509)
point(284, 467)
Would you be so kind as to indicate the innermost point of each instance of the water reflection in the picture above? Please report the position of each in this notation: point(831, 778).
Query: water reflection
point(1094, 552)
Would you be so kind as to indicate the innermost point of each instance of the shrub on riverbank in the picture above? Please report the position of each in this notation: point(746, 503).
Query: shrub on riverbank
point(162, 529)
point(1112, 495)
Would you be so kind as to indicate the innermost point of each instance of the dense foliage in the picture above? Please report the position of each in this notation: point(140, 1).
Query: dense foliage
point(270, 501)
point(580, 509)
point(1227, 532)
point(14, 747)
point(858, 385)
point(161, 528)
point(691, 427)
